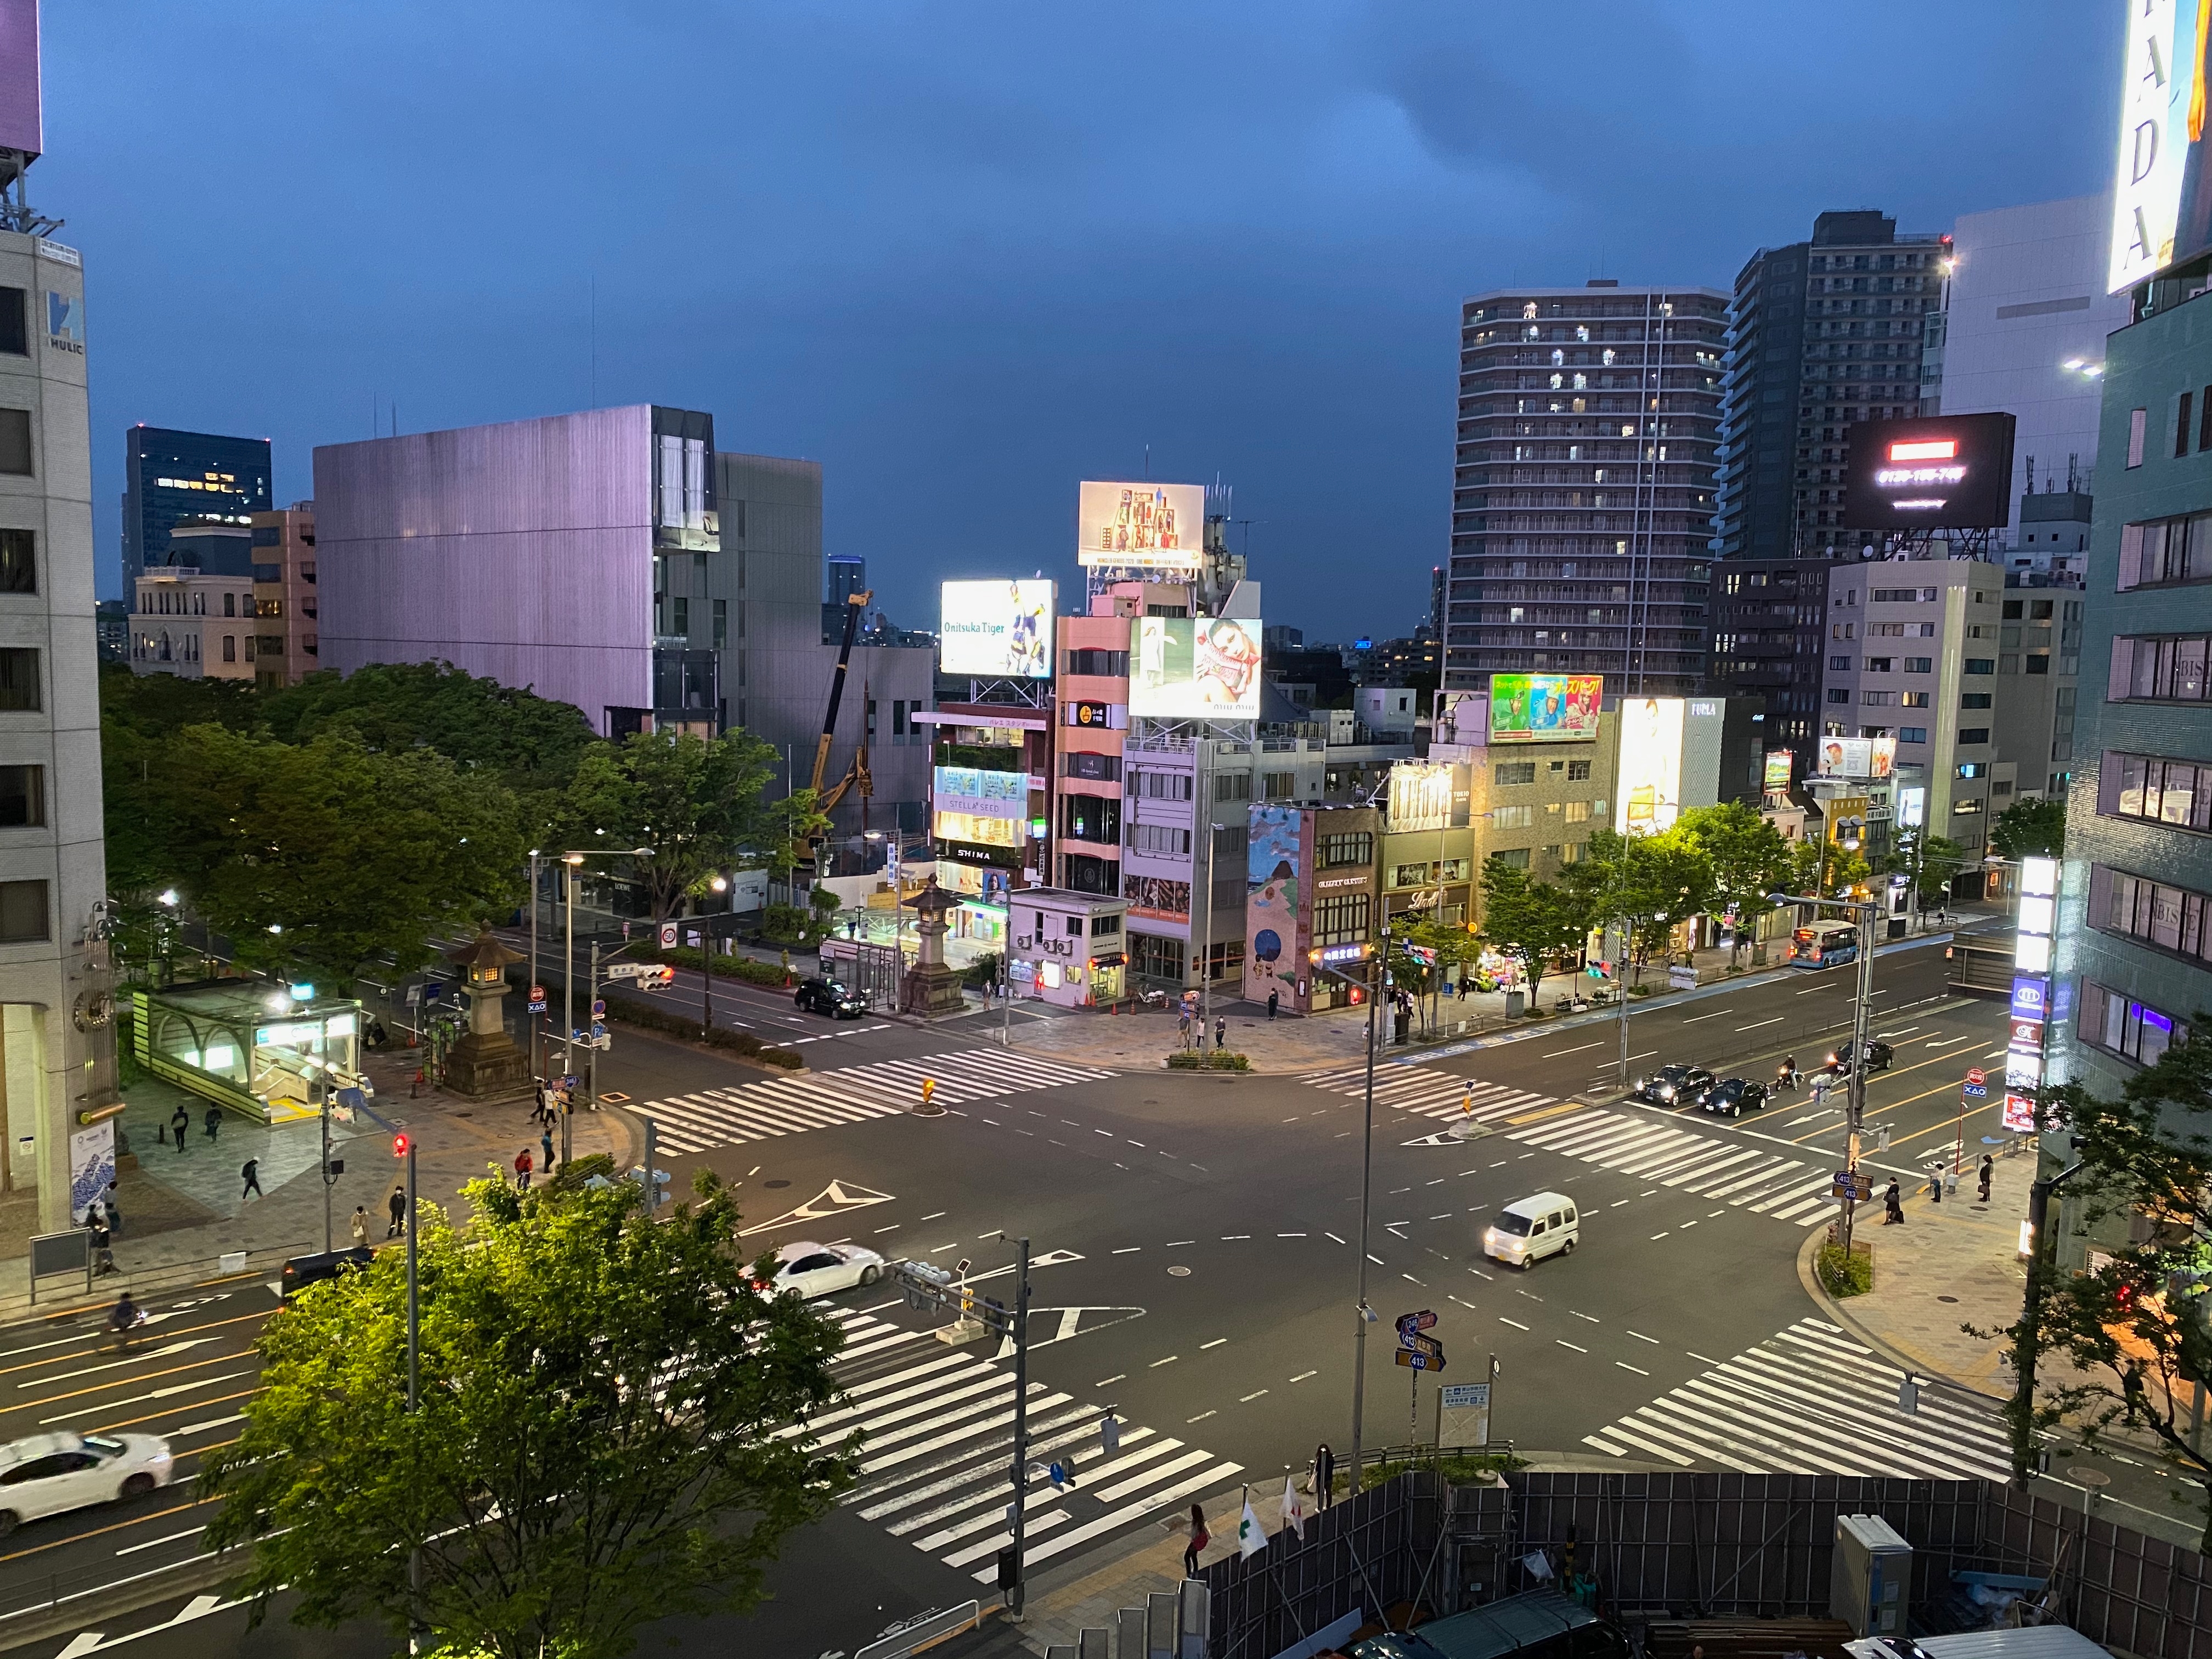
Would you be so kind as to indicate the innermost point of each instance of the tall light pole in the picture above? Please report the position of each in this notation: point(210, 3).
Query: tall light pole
point(536, 1020)
point(572, 861)
point(1862, 912)
point(1364, 1315)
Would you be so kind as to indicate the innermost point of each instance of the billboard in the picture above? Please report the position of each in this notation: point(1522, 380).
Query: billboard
point(19, 76)
point(1777, 781)
point(1948, 471)
point(1158, 898)
point(983, 809)
point(1194, 668)
point(1427, 795)
point(1140, 527)
point(1545, 707)
point(995, 630)
point(1650, 764)
point(2161, 198)
point(1270, 903)
point(1857, 758)
point(1459, 718)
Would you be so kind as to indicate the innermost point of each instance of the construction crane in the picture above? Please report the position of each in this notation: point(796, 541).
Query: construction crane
point(857, 774)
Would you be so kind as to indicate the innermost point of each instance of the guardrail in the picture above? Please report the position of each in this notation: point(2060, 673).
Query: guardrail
point(224, 1264)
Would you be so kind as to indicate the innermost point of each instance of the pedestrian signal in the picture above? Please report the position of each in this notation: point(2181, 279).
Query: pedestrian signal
point(399, 1146)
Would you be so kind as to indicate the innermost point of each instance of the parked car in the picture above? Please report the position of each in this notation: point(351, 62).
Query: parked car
point(1673, 1085)
point(1530, 1228)
point(301, 1271)
point(808, 1271)
point(827, 996)
point(1732, 1094)
point(48, 1473)
point(1878, 1055)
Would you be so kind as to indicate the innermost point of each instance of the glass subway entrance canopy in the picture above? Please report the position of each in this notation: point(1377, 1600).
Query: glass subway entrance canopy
point(249, 1045)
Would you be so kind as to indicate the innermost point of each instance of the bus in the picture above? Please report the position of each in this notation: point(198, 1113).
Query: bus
point(1829, 944)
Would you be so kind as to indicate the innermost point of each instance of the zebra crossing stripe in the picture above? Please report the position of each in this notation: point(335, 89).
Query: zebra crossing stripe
point(1712, 1171)
point(1219, 1475)
point(1774, 1168)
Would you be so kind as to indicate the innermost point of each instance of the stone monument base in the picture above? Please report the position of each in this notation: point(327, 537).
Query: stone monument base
point(933, 987)
point(486, 1063)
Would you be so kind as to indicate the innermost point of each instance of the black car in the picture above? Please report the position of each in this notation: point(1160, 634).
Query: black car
point(1879, 1055)
point(1673, 1085)
point(827, 996)
point(302, 1271)
point(1732, 1094)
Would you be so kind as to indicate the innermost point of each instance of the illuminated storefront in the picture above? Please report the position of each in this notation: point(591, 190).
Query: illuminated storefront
point(258, 1048)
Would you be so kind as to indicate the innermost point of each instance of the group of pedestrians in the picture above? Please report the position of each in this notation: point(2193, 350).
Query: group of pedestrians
point(1324, 1490)
point(1893, 1199)
point(181, 1125)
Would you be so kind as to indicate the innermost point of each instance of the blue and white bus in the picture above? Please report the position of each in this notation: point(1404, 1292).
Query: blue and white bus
point(1829, 944)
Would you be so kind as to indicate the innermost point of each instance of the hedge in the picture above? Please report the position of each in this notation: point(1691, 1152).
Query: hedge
point(1212, 1060)
point(660, 1018)
point(731, 967)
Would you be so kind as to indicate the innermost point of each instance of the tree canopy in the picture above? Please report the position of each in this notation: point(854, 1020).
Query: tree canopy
point(2030, 828)
point(598, 1440)
point(1531, 922)
point(1656, 882)
point(1750, 858)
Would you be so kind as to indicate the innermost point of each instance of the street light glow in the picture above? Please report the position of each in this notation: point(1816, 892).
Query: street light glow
point(168, 896)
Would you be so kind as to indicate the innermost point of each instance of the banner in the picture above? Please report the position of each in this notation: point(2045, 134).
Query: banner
point(92, 1166)
point(1545, 707)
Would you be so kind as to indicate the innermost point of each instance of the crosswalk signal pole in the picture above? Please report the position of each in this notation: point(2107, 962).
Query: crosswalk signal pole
point(1015, 1591)
point(417, 1626)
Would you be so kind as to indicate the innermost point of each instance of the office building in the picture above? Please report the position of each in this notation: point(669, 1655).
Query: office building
point(1821, 334)
point(57, 1033)
point(1311, 903)
point(2025, 325)
point(1769, 632)
point(1583, 490)
point(613, 560)
point(193, 476)
point(194, 626)
point(287, 644)
point(2039, 686)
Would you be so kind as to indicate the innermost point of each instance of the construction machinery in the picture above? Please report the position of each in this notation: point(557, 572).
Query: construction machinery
point(856, 775)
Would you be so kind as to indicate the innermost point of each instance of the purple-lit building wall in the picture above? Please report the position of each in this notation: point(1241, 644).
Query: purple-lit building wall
point(522, 551)
point(19, 76)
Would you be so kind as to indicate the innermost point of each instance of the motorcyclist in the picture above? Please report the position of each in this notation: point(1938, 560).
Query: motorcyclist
point(1787, 1077)
point(123, 1317)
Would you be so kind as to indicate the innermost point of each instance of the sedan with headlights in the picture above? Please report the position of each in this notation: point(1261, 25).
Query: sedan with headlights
point(808, 1271)
point(1673, 1085)
point(1732, 1094)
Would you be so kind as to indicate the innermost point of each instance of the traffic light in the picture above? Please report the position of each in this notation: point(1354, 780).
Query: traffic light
point(400, 1143)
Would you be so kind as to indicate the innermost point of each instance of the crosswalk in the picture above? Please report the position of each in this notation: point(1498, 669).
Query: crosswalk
point(852, 1094)
point(939, 1424)
point(1738, 1172)
point(1809, 1401)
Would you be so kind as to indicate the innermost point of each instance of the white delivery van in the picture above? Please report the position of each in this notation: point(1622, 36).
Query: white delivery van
point(1530, 1228)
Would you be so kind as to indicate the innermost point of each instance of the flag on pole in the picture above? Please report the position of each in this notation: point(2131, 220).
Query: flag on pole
point(1294, 1512)
point(1251, 1538)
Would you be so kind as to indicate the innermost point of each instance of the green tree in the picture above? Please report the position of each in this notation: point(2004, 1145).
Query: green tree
point(697, 803)
point(2030, 828)
point(1656, 882)
point(1531, 922)
point(529, 741)
point(1940, 861)
point(1827, 868)
point(321, 856)
point(596, 1445)
point(1750, 860)
point(2134, 1330)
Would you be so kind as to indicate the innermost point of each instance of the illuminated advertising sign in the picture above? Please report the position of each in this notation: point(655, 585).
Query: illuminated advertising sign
point(1140, 527)
point(1545, 707)
point(2031, 997)
point(2037, 921)
point(1459, 717)
point(995, 630)
point(1194, 668)
point(1778, 771)
point(1952, 471)
point(1422, 796)
point(1856, 757)
point(983, 809)
point(1156, 896)
point(1651, 765)
point(1093, 716)
point(1912, 808)
point(2018, 1114)
point(2162, 201)
point(1272, 857)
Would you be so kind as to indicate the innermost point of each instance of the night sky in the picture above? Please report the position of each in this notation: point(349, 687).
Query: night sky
point(966, 254)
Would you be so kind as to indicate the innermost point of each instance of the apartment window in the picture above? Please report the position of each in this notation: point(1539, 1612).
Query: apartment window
point(1151, 784)
point(2138, 428)
point(2166, 550)
point(15, 446)
point(1839, 694)
point(2168, 668)
point(1347, 851)
point(1841, 665)
point(2182, 409)
point(1974, 700)
point(1878, 699)
point(1091, 818)
point(721, 623)
point(1912, 734)
point(1232, 786)
point(1962, 808)
point(1511, 772)
point(1513, 858)
point(1919, 665)
point(19, 562)
point(1342, 920)
point(250, 641)
point(22, 797)
point(19, 679)
point(1904, 595)
point(1230, 840)
point(1878, 665)
point(1512, 818)
point(230, 647)
point(1842, 631)
point(1409, 875)
point(1577, 811)
point(2118, 1024)
point(1916, 699)
point(230, 604)
point(1158, 838)
point(1112, 665)
point(1279, 786)
point(2156, 791)
point(1578, 771)
point(2038, 662)
point(16, 324)
point(23, 913)
point(681, 615)
point(1981, 665)
point(1972, 735)
point(1102, 926)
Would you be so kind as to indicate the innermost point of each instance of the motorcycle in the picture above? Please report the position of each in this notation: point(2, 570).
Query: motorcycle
point(1785, 1078)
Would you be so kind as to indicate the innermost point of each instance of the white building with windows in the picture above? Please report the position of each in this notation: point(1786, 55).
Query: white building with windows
point(192, 625)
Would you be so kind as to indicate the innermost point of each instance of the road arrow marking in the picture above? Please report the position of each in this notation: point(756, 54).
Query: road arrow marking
point(837, 1199)
point(161, 1352)
point(1071, 1324)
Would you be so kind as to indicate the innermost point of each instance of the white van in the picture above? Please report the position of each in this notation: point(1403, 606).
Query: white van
point(1530, 1228)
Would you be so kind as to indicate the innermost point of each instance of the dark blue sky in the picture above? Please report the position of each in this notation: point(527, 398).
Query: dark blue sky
point(966, 254)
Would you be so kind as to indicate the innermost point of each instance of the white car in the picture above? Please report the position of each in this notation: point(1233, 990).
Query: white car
point(808, 1271)
point(48, 1473)
point(1530, 1228)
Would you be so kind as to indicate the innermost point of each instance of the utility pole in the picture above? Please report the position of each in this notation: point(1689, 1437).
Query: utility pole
point(591, 1060)
point(416, 1626)
point(1017, 1593)
point(1620, 990)
point(568, 972)
point(2020, 1411)
point(536, 1070)
point(322, 1085)
point(1862, 913)
point(1363, 1314)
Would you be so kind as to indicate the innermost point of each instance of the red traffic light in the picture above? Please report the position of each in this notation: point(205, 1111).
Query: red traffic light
point(399, 1146)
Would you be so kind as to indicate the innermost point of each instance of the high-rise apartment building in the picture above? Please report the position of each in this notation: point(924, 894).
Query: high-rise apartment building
point(1583, 492)
point(57, 1056)
point(1822, 334)
point(172, 476)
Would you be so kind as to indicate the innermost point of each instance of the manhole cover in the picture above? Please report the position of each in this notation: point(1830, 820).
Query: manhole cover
point(1178, 1272)
point(1947, 1298)
point(776, 1184)
point(464, 1114)
point(2082, 1475)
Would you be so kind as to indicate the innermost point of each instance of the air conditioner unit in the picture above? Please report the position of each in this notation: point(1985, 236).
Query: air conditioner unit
point(1872, 1578)
point(1021, 941)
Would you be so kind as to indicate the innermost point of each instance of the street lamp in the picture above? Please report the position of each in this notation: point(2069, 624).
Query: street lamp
point(1864, 911)
point(573, 859)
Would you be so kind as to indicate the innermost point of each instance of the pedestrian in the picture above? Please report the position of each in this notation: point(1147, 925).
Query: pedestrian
point(213, 1121)
point(1220, 1030)
point(180, 1122)
point(114, 1215)
point(522, 1168)
point(124, 1318)
point(251, 1170)
point(103, 1257)
point(360, 1225)
point(398, 1204)
point(546, 1142)
point(1273, 997)
point(1936, 1183)
point(1324, 1475)
point(1199, 1540)
point(1892, 1206)
point(1987, 1174)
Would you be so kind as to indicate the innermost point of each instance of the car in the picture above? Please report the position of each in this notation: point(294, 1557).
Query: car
point(1878, 1055)
point(827, 996)
point(1530, 1228)
point(301, 1271)
point(48, 1473)
point(1732, 1094)
point(1673, 1085)
point(808, 1271)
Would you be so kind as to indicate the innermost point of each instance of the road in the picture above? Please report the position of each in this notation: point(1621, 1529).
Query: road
point(1197, 1241)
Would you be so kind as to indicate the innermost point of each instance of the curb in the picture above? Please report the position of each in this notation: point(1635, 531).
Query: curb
point(1808, 1253)
point(128, 1596)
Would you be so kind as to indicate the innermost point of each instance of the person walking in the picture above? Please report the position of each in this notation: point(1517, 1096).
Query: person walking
point(397, 1204)
point(124, 1318)
point(360, 1226)
point(522, 1168)
point(1987, 1174)
point(179, 1121)
point(213, 1121)
point(114, 1215)
point(251, 1170)
point(1199, 1540)
point(1892, 1206)
point(103, 1256)
point(1324, 1475)
point(1936, 1183)
point(1220, 1030)
point(1273, 997)
point(545, 1145)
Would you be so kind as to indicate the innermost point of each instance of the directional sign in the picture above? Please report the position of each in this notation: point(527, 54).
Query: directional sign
point(1422, 1321)
point(1414, 1342)
point(1420, 1362)
point(1976, 1091)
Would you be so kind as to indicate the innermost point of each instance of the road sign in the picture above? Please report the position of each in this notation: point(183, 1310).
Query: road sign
point(1414, 1342)
point(1420, 1362)
point(536, 999)
point(1862, 1191)
point(1422, 1321)
point(668, 935)
point(1976, 1091)
point(598, 1008)
point(1976, 1074)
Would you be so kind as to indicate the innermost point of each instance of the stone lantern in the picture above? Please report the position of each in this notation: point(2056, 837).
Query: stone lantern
point(486, 1061)
point(931, 986)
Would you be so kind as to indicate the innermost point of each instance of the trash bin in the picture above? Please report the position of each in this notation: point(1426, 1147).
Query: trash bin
point(1516, 1003)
